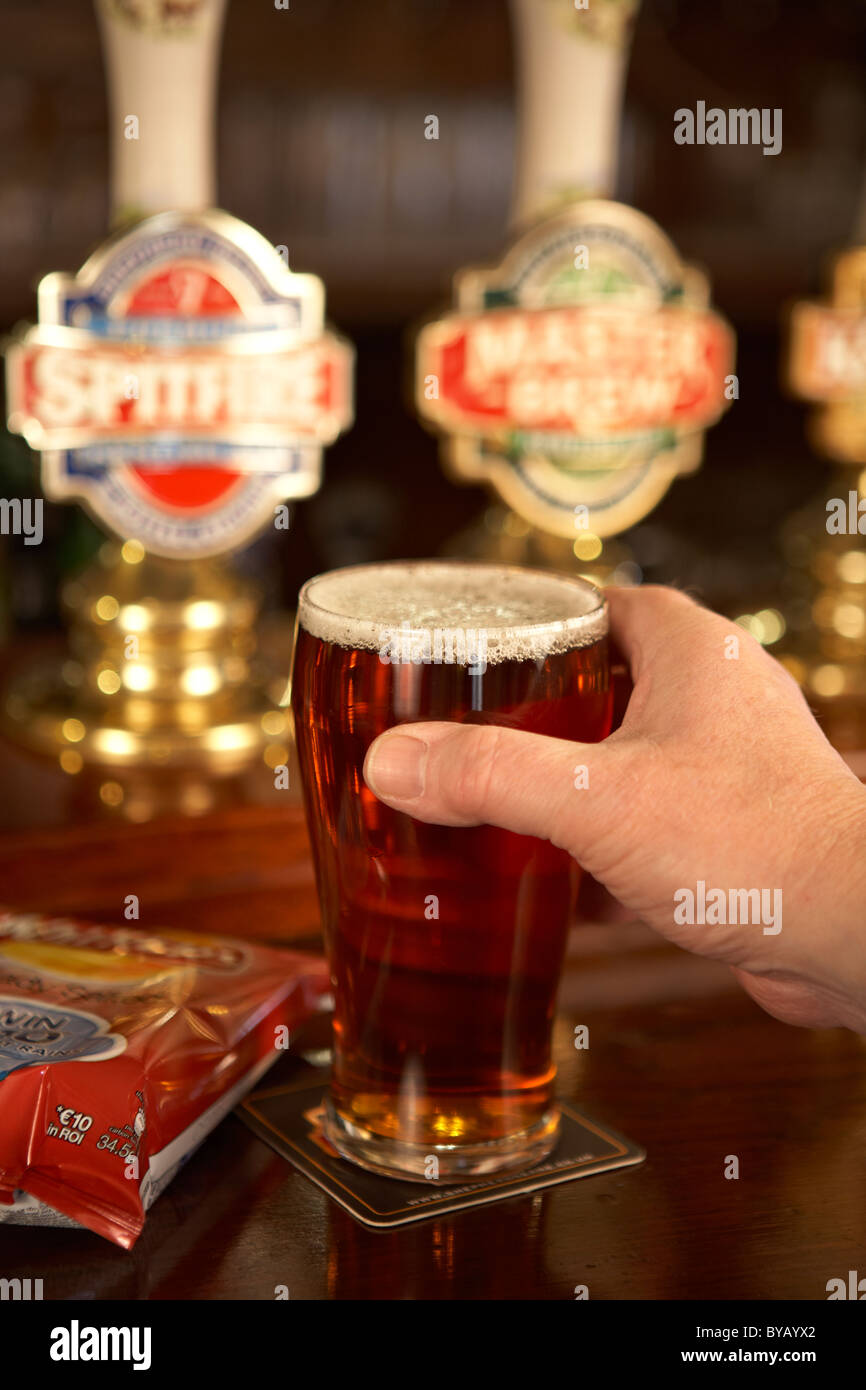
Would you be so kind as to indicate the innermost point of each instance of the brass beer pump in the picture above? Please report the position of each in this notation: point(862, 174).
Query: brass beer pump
point(207, 386)
point(825, 542)
point(576, 377)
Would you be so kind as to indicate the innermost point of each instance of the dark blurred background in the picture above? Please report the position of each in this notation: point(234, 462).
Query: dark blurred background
point(321, 148)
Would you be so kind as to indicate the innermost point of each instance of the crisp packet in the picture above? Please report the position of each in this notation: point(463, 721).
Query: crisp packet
point(120, 1050)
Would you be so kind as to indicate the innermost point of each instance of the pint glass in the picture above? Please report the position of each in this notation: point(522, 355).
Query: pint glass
point(445, 945)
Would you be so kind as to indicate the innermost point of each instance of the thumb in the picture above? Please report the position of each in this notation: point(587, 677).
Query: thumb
point(472, 774)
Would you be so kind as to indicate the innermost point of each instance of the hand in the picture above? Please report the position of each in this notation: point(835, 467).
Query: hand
point(719, 774)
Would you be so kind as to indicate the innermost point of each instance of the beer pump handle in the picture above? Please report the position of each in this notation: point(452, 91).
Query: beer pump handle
point(571, 66)
point(198, 386)
point(161, 73)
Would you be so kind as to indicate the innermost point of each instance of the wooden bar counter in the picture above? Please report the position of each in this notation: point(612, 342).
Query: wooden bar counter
point(680, 1060)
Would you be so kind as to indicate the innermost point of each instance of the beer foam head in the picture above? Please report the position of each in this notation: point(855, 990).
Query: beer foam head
point(523, 614)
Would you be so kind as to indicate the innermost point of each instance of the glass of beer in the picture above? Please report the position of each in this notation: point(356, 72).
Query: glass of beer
point(445, 944)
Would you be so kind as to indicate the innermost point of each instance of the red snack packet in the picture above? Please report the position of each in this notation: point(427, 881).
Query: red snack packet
point(120, 1050)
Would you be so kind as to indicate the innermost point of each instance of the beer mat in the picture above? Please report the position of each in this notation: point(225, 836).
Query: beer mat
point(286, 1117)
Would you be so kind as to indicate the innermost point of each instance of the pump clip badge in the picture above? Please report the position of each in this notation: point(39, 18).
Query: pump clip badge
point(827, 362)
point(182, 384)
point(580, 372)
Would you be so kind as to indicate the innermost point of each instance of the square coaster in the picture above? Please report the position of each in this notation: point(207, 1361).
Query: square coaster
point(287, 1117)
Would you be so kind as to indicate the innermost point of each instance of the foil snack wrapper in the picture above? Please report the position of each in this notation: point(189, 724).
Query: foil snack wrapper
point(120, 1050)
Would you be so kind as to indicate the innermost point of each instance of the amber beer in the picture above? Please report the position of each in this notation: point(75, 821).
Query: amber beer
point(445, 944)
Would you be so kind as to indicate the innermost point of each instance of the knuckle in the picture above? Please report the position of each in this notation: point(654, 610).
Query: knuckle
point(667, 598)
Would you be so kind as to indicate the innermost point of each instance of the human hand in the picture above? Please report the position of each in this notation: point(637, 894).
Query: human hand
point(718, 775)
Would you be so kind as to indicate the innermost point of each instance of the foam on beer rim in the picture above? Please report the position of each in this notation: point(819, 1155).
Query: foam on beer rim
point(525, 614)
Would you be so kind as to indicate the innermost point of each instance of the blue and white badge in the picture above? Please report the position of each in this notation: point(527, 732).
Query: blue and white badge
point(32, 1033)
